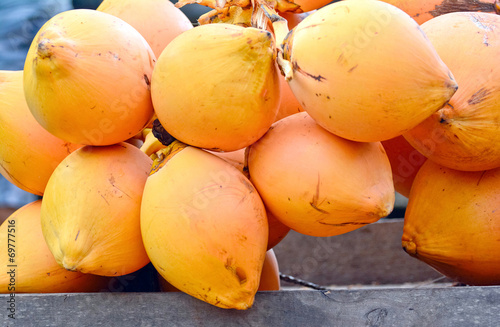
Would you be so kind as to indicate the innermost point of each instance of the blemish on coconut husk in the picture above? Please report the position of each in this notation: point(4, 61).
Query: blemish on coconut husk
point(478, 96)
point(296, 68)
point(43, 49)
point(448, 6)
point(146, 79)
point(344, 224)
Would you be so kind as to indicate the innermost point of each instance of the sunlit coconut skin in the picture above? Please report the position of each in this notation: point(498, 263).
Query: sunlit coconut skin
point(28, 152)
point(34, 268)
point(452, 223)
point(465, 133)
point(204, 227)
point(159, 21)
point(317, 183)
point(364, 70)
point(91, 210)
point(217, 87)
point(88, 86)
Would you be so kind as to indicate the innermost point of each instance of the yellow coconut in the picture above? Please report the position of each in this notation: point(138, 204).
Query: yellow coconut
point(216, 86)
point(364, 70)
point(159, 21)
point(91, 210)
point(452, 223)
point(29, 154)
point(87, 78)
point(204, 227)
point(465, 134)
point(29, 266)
point(317, 183)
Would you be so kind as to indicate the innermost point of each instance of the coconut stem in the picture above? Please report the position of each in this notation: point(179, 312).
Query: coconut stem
point(161, 134)
point(44, 49)
point(255, 13)
point(161, 157)
point(172, 146)
point(280, 26)
point(410, 247)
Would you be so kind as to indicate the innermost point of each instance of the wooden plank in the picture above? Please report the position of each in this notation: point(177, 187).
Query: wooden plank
point(444, 307)
point(370, 255)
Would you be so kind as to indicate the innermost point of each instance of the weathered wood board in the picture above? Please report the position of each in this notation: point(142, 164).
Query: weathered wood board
point(433, 307)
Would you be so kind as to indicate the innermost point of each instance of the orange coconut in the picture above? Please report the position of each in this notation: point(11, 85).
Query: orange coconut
point(29, 154)
point(306, 5)
point(270, 277)
point(277, 230)
point(30, 266)
point(235, 158)
point(204, 226)
point(159, 21)
point(91, 210)
point(364, 70)
point(465, 134)
point(293, 19)
point(405, 162)
point(452, 223)
point(87, 78)
point(318, 183)
point(216, 86)
point(289, 104)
